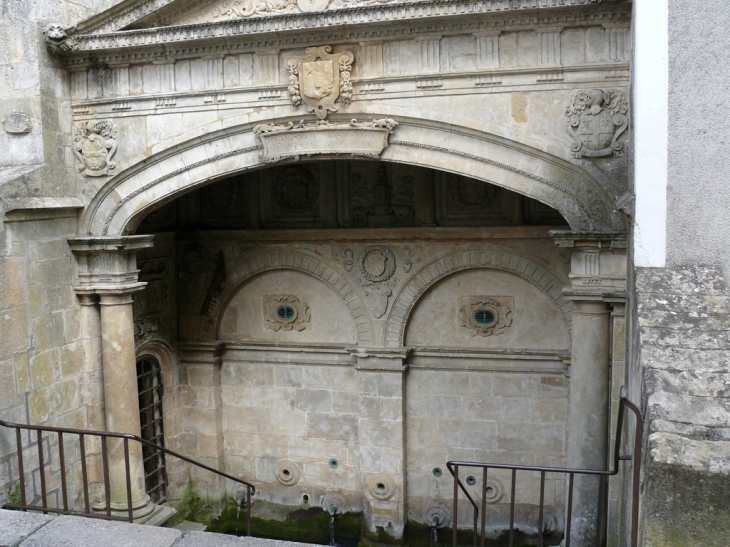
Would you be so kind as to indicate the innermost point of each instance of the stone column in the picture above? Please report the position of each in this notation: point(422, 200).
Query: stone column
point(598, 278)
point(381, 430)
point(107, 267)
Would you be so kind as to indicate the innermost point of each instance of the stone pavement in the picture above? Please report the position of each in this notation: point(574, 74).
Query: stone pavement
point(18, 529)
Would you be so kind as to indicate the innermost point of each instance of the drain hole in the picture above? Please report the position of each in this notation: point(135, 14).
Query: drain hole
point(471, 481)
point(286, 472)
point(437, 472)
point(333, 463)
point(305, 498)
point(380, 486)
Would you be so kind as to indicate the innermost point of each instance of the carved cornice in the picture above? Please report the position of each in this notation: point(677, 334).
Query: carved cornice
point(351, 24)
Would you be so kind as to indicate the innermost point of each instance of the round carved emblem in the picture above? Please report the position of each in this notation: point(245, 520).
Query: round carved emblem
point(287, 472)
point(495, 491)
point(334, 502)
point(377, 264)
point(296, 189)
point(437, 514)
point(381, 486)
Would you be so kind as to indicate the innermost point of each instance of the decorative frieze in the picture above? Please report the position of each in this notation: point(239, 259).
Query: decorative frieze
point(432, 83)
point(95, 143)
point(596, 119)
point(320, 83)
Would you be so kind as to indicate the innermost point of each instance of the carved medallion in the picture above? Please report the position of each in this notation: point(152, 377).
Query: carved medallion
point(285, 312)
point(320, 83)
point(296, 189)
point(313, 5)
point(597, 118)
point(473, 195)
point(484, 315)
point(287, 472)
point(17, 123)
point(377, 264)
point(95, 143)
point(381, 486)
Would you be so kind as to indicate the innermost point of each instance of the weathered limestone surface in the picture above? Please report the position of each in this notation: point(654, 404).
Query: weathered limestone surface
point(684, 321)
point(15, 526)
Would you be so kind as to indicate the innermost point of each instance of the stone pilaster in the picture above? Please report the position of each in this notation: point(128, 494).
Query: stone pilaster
point(107, 267)
point(430, 54)
point(266, 67)
point(488, 49)
point(371, 63)
point(381, 430)
point(548, 46)
point(598, 282)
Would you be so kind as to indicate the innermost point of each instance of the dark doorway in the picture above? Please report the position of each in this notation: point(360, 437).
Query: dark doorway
point(149, 386)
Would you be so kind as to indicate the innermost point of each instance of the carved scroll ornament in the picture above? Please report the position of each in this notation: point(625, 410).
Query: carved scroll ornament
point(596, 119)
point(484, 315)
point(283, 141)
point(320, 83)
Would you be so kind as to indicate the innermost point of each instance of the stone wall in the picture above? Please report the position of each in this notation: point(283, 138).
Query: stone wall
point(683, 327)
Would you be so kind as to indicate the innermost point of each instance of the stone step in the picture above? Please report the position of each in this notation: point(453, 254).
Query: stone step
point(19, 529)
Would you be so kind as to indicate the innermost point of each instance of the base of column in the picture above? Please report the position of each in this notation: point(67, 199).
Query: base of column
point(141, 509)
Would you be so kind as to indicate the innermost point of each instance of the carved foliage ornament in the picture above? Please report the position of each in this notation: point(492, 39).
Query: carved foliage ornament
point(484, 316)
point(320, 83)
point(95, 143)
point(285, 312)
point(597, 118)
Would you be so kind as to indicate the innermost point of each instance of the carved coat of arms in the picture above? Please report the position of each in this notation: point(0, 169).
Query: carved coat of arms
point(597, 118)
point(320, 79)
point(95, 143)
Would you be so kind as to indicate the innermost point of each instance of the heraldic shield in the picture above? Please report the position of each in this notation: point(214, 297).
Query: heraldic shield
point(320, 79)
point(597, 118)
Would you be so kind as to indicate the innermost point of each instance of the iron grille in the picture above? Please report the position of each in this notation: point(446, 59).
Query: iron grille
point(149, 386)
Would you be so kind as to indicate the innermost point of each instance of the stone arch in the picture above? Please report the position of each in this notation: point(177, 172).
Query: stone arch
point(585, 202)
point(286, 259)
point(500, 259)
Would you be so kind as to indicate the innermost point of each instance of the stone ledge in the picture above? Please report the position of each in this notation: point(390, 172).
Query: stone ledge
point(19, 529)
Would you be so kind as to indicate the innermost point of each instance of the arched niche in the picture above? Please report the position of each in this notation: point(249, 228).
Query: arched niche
point(511, 314)
point(286, 305)
point(547, 281)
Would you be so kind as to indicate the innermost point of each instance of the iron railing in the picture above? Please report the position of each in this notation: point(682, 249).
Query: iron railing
point(454, 466)
point(103, 436)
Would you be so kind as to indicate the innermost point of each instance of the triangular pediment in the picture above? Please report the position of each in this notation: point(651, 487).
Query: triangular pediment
point(145, 14)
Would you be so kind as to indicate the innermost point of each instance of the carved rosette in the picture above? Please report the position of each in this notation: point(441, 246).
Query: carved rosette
point(285, 312)
point(381, 486)
point(484, 315)
point(596, 119)
point(95, 143)
point(320, 79)
point(287, 472)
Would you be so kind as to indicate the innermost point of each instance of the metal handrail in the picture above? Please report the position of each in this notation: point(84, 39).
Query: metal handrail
point(103, 435)
point(453, 467)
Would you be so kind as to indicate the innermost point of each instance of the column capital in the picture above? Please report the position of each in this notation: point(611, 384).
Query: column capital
point(597, 264)
point(107, 265)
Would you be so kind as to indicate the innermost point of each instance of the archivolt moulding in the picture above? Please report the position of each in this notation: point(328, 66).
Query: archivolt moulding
point(283, 259)
point(439, 268)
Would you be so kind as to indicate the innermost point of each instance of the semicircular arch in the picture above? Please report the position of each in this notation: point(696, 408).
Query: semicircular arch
point(240, 271)
point(533, 271)
point(126, 198)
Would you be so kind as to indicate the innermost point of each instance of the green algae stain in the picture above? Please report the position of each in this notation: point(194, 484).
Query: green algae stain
point(309, 525)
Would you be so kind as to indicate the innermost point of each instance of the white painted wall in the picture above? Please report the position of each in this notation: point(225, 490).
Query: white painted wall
point(651, 124)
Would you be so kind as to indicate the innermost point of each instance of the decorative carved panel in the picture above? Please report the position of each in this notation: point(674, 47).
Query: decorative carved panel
point(485, 315)
point(596, 119)
point(462, 201)
point(285, 312)
point(292, 197)
point(95, 143)
point(155, 315)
